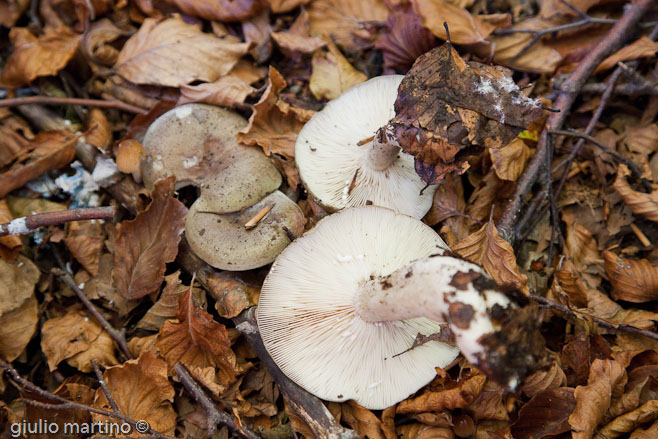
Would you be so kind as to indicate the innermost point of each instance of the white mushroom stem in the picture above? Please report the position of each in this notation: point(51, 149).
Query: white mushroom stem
point(440, 288)
point(384, 149)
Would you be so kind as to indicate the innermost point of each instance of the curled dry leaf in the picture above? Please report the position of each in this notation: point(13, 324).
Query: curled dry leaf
point(546, 414)
point(297, 39)
point(218, 10)
point(633, 280)
point(101, 350)
point(489, 404)
point(643, 47)
point(128, 156)
point(448, 109)
point(648, 433)
point(173, 53)
point(11, 11)
point(167, 305)
point(464, 27)
point(146, 244)
point(458, 395)
point(33, 57)
point(99, 132)
point(332, 74)
point(487, 248)
point(142, 391)
point(10, 244)
point(639, 202)
point(545, 379)
point(97, 39)
point(509, 161)
point(197, 340)
point(628, 422)
point(17, 281)
point(227, 91)
point(362, 420)
point(231, 294)
point(86, 250)
point(280, 6)
point(420, 431)
point(256, 31)
point(17, 328)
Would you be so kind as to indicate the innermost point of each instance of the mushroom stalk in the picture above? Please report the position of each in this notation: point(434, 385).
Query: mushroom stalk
point(384, 149)
point(441, 288)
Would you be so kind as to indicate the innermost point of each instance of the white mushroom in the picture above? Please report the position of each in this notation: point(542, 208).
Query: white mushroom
point(340, 170)
point(341, 302)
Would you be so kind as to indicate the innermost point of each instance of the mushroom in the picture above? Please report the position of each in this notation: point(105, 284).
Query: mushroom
point(198, 143)
point(227, 242)
point(346, 158)
point(342, 305)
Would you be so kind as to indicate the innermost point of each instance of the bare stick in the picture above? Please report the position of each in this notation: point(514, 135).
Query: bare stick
point(611, 42)
point(599, 321)
point(116, 335)
point(621, 89)
point(106, 390)
point(215, 417)
point(48, 100)
point(28, 224)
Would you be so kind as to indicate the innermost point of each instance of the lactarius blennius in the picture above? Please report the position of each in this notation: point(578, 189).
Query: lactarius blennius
point(197, 143)
point(343, 304)
point(346, 159)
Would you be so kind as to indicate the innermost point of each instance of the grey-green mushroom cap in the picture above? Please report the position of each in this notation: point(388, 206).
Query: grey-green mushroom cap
point(197, 143)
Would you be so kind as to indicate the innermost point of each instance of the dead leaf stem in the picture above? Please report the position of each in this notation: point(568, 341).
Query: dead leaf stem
point(48, 100)
point(117, 336)
point(215, 417)
point(572, 86)
point(33, 222)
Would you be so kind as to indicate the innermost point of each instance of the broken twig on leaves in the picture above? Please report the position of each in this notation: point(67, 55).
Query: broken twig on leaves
point(28, 224)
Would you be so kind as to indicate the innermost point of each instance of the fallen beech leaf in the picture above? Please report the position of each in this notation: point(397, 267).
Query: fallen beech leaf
point(10, 244)
point(15, 136)
point(101, 350)
point(227, 91)
point(97, 38)
point(639, 202)
point(460, 395)
point(86, 250)
point(33, 57)
point(602, 306)
point(139, 345)
point(509, 161)
point(628, 422)
point(332, 74)
point(581, 246)
point(256, 31)
point(167, 305)
point(571, 284)
point(550, 8)
point(340, 20)
point(197, 340)
point(486, 248)
point(486, 194)
point(362, 420)
point(280, 6)
point(545, 379)
point(170, 52)
point(297, 39)
point(99, 132)
point(17, 328)
point(648, 433)
point(593, 400)
point(633, 280)
point(17, 281)
point(643, 47)
point(128, 156)
point(231, 294)
point(448, 201)
point(489, 404)
point(142, 391)
point(219, 10)
point(274, 126)
point(248, 72)
point(52, 150)
point(546, 414)
point(144, 245)
point(420, 431)
point(464, 27)
point(641, 140)
point(448, 109)
point(207, 377)
point(11, 11)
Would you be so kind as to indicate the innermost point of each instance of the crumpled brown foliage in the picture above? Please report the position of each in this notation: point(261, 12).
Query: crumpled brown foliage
point(457, 395)
point(546, 414)
point(464, 27)
point(640, 203)
point(222, 10)
point(332, 74)
point(633, 280)
point(167, 305)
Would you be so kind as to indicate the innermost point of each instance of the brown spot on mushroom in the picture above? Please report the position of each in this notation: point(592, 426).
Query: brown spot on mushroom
point(461, 314)
point(201, 232)
point(409, 274)
point(461, 279)
point(386, 285)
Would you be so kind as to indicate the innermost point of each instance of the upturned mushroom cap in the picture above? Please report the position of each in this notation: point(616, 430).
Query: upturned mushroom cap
point(328, 157)
point(197, 143)
point(307, 318)
point(223, 241)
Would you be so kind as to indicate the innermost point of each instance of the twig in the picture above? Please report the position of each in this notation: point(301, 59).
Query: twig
point(117, 336)
point(48, 100)
point(28, 224)
point(621, 89)
point(215, 417)
point(599, 321)
point(106, 390)
point(611, 42)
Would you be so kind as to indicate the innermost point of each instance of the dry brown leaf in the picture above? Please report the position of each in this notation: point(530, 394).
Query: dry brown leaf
point(52, 150)
point(231, 294)
point(207, 377)
point(464, 27)
point(17, 281)
point(167, 305)
point(449, 205)
point(33, 57)
point(248, 72)
point(341, 20)
point(546, 414)
point(643, 47)
point(545, 379)
point(649, 433)
point(509, 161)
point(97, 39)
point(86, 250)
point(17, 328)
point(362, 420)
point(11, 11)
point(489, 404)
point(600, 305)
point(581, 246)
point(488, 249)
point(420, 431)
point(197, 340)
point(641, 140)
point(486, 193)
point(628, 422)
point(633, 280)
point(219, 10)
point(280, 6)
point(10, 244)
point(227, 91)
point(146, 244)
point(142, 391)
point(458, 396)
point(138, 345)
point(332, 74)
point(101, 350)
point(128, 156)
point(99, 132)
point(593, 400)
point(570, 285)
point(639, 202)
point(297, 38)
point(15, 136)
point(173, 53)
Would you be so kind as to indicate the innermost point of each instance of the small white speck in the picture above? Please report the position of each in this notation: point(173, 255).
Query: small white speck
point(183, 111)
point(20, 264)
point(346, 258)
point(373, 385)
point(190, 162)
point(158, 166)
point(86, 319)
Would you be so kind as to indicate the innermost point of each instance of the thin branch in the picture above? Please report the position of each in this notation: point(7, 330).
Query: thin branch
point(621, 89)
point(28, 224)
point(106, 390)
point(117, 336)
point(543, 301)
point(48, 100)
point(215, 417)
